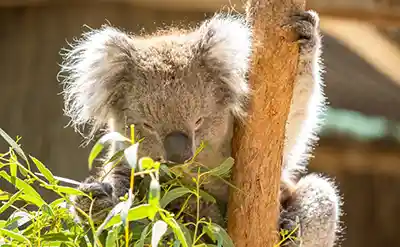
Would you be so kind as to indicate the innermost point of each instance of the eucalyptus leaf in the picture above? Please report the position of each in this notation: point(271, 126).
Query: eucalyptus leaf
point(172, 195)
point(125, 208)
point(112, 215)
point(223, 169)
point(12, 199)
point(69, 190)
point(146, 163)
point(46, 172)
point(15, 236)
point(28, 190)
point(131, 155)
point(13, 144)
point(18, 219)
point(177, 230)
point(13, 171)
point(206, 196)
point(221, 235)
point(140, 242)
point(59, 236)
point(56, 202)
point(135, 213)
point(186, 233)
point(158, 230)
point(111, 238)
point(154, 197)
point(100, 144)
point(4, 195)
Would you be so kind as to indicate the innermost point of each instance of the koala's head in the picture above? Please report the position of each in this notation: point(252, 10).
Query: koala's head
point(178, 88)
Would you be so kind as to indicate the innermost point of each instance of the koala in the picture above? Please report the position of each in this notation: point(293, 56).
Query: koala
point(182, 87)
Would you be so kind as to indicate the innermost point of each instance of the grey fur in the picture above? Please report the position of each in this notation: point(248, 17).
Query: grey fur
point(166, 82)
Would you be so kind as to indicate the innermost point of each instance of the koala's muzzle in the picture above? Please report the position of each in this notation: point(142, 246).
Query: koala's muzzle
point(178, 147)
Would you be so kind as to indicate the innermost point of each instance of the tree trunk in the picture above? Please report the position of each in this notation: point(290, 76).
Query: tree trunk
point(258, 143)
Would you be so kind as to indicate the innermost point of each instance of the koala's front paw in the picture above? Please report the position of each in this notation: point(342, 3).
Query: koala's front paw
point(306, 26)
point(101, 202)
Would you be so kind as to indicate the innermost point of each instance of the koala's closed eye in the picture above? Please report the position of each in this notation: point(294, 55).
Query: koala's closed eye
point(148, 127)
point(199, 123)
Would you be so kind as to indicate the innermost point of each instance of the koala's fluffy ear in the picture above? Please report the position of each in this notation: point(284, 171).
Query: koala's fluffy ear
point(92, 71)
point(225, 47)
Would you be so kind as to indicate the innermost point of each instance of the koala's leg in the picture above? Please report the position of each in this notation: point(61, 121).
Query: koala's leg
point(315, 204)
point(308, 99)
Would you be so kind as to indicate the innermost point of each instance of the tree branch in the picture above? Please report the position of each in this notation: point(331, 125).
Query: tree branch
point(258, 144)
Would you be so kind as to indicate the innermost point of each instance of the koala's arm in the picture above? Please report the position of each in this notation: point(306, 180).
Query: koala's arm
point(105, 188)
point(308, 100)
point(313, 200)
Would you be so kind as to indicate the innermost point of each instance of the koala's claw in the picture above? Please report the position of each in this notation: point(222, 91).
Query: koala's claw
point(291, 227)
point(308, 16)
point(306, 26)
point(101, 201)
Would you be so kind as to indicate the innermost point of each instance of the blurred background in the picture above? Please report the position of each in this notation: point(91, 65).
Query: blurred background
point(359, 144)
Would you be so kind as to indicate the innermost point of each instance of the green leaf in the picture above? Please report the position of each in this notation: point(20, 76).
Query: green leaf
point(15, 236)
point(100, 144)
point(186, 232)
point(111, 238)
point(47, 209)
point(164, 168)
point(13, 144)
point(114, 157)
point(146, 163)
point(59, 236)
point(96, 150)
point(135, 213)
point(111, 215)
point(18, 219)
point(140, 242)
point(207, 197)
point(223, 169)
point(46, 172)
point(11, 201)
point(4, 196)
point(207, 230)
point(177, 230)
point(13, 170)
point(30, 199)
point(60, 243)
point(154, 197)
point(28, 190)
point(24, 171)
point(56, 203)
point(3, 223)
point(158, 230)
point(172, 195)
point(221, 234)
point(68, 190)
point(154, 193)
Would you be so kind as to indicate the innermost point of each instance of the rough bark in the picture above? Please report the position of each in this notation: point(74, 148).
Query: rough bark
point(258, 143)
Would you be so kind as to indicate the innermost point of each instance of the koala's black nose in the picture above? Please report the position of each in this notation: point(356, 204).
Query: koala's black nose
point(178, 147)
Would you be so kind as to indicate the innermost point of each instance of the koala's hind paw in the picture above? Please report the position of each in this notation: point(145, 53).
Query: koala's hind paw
point(306, 26)
point(101, 202)
point(314, 209)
